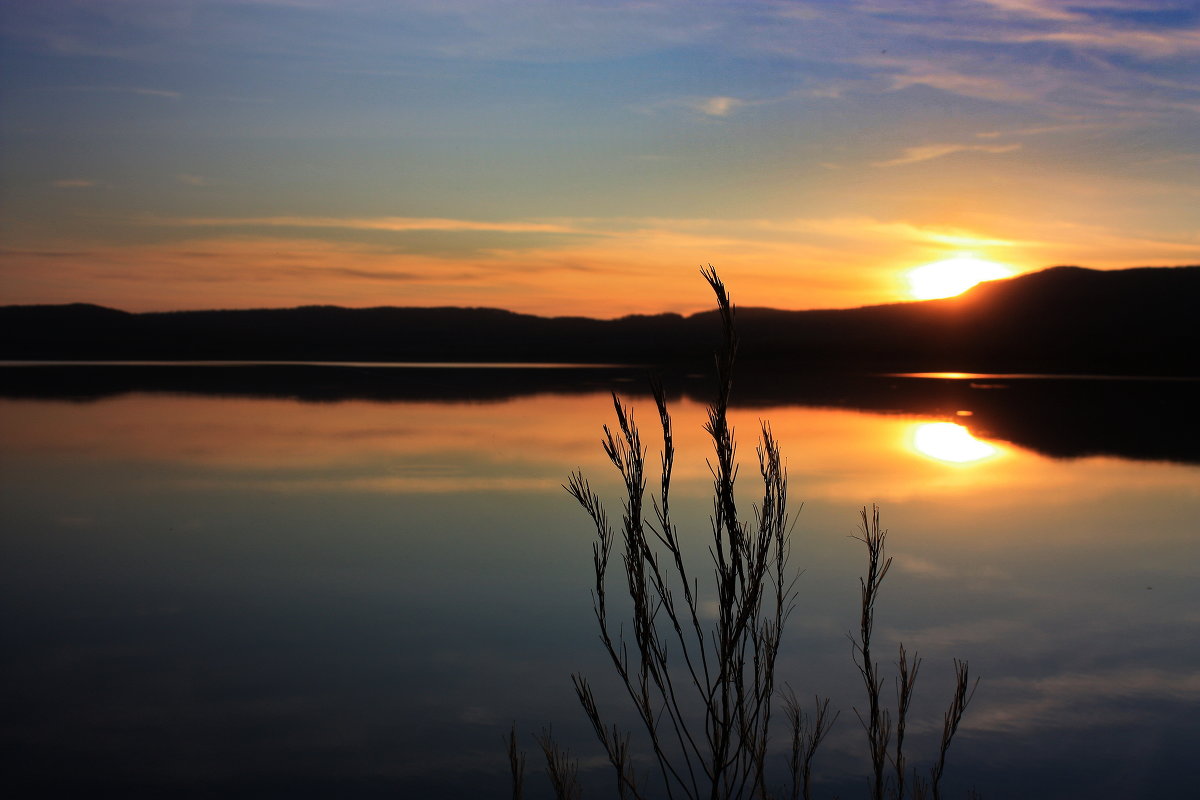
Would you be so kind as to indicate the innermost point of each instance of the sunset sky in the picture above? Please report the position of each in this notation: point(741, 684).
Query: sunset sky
point(583, 158)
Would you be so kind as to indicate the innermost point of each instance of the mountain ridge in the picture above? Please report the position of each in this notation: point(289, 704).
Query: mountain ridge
point(1065, 319)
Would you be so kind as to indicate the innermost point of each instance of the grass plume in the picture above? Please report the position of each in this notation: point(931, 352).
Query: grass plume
point(703, 686)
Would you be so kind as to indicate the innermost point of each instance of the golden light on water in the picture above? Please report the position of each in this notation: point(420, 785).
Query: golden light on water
point(945, 441)
point(952, 276)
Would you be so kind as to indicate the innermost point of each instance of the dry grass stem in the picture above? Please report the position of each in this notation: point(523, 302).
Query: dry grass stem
point(516, 763)
point(561, 768)
point(702, 684)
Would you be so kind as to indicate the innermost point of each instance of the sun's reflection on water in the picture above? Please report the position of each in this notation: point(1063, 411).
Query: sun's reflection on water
point(950, 443)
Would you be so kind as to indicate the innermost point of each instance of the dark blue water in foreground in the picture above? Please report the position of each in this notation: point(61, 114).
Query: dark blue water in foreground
point(263, 597)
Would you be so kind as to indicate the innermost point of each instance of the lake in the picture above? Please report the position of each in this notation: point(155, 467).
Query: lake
point(307, 581)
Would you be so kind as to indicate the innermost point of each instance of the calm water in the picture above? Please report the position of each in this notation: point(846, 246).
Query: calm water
point(244, 594)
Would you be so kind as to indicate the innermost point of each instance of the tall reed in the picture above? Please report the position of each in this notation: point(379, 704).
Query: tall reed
point(702, 689)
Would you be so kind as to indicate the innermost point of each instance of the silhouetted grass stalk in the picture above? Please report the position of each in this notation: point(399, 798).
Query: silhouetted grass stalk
point(877, 721)
point(807, 733)
point(703, 689)
point(905, 680)
point(516, 764)
point(562, 770)
point(964, 690)
point(726, 671)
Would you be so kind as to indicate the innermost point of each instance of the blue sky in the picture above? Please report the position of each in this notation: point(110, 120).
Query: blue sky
point(562, 157)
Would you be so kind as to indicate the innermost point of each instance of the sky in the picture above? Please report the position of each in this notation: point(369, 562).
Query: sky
point(584, 158)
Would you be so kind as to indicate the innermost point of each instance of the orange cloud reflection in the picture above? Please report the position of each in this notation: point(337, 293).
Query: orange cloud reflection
point(526, 444)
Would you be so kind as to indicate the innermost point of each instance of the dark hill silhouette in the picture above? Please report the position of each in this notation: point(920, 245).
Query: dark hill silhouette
point(1063, 319)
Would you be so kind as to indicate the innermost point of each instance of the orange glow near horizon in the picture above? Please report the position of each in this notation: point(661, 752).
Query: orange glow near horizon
point(953, 276)
point(517, 444)
point(526, 444)
point(604, 269)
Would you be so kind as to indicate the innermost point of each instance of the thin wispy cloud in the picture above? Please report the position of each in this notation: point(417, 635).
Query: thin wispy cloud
point(717, 106)
point(1074, 700)
point(892, 232)
point(1054, 58)
point(1083, 25)
point(1040, 130)
point(74, 183)
point(928, 152)
point(136, 90)
point(152, 92)
point(1036, 9)
point(720, 106)
point(1149, 44)
point(397, 224)
point(984, 86)
point(748, 235)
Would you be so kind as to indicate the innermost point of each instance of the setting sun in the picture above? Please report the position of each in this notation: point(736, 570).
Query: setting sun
point(952, 276)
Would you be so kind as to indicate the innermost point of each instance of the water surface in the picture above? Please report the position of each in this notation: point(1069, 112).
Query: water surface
point(240, 594)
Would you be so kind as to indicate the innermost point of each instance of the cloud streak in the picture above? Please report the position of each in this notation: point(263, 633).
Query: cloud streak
point(394, 224)
point(137, 90)
point(928, 152)
point(717, 106)
point(1077, 700)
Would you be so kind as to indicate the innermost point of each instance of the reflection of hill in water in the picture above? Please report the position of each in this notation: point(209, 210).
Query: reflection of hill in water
point(1059, 417)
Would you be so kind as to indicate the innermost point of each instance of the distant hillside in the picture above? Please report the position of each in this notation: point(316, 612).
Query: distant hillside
point(1063, 319)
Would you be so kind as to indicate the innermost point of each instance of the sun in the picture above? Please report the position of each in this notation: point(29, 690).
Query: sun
point(952, 276)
